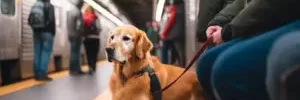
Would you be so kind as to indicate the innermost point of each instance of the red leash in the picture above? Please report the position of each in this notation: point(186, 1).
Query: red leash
point(204, 46)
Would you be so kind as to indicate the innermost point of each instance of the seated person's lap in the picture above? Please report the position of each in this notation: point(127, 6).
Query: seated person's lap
point(283, 57)
point(240, 69)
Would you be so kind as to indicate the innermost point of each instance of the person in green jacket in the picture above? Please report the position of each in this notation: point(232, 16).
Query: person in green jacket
point(216, 12)
point(152, 33)
point(213, 15)
point(236, 66)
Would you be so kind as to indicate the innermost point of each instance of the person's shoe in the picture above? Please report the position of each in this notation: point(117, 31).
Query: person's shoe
point(75, 73)
point(91, 72)
point(48, 78)
point(43, 78)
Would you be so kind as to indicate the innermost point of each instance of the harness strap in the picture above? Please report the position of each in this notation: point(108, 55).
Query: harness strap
point(154, 83)
point(202, 49)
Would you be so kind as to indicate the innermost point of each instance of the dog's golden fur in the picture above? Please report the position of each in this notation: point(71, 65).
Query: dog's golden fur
point(137, 87)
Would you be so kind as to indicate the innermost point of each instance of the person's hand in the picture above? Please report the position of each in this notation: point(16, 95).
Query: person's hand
point(210, 30)
point(215, 33)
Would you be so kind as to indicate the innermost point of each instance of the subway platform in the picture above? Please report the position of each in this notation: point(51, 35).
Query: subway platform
point(63, 87)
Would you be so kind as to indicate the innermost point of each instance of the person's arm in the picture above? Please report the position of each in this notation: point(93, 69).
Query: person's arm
point(98, 25)
point(208, 9)
point(170, 22)
point(225, 16)
point(71, 24)
point(260, 16)
point(53, 24)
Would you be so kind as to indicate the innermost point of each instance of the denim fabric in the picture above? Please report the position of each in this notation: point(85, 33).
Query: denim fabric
point(238, 72)
point(284, 56)
point(43, 44)
point(75, 54)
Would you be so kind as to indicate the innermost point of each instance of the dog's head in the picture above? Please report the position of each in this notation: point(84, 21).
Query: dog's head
point(127, 42)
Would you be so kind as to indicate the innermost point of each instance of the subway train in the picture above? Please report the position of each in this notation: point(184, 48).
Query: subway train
point(16, 41)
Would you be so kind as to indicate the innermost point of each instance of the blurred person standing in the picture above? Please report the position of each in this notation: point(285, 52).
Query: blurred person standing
point(42, 21)
point(152, 33)
point(173, 32)
point(91, 41)
point(75, 29)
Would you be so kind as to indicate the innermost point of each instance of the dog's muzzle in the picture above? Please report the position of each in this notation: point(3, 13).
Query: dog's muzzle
point(110, 53)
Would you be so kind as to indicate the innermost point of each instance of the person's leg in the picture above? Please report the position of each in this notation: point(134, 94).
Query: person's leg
point(87, 47)
point(239, 72)
point(284, 56)
point(75, 56)
point(47, 45)
point(173, 54)
point(92, 48)
point(96, 45)
point(180, 50)
point(164, 52)
point(37, 45)
point(205, 63)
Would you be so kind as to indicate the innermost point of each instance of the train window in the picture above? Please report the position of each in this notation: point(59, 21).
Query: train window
point(8, 7)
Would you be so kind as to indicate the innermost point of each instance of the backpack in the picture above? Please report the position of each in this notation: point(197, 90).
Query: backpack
point(36, 16)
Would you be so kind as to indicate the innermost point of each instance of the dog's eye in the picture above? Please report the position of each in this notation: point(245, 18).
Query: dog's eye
point(112, 37)
point(126, 38)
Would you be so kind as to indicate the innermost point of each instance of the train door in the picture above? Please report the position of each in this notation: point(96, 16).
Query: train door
point(9, 40)
point(9, 35)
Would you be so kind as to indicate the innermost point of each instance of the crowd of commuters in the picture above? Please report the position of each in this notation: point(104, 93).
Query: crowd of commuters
point(254, 53)
point(83, 27)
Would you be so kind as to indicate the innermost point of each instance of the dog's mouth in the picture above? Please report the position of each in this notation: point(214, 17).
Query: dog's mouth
point(113, 59)
point(111, 56)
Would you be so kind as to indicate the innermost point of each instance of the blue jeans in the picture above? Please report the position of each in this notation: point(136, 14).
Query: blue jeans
point(43, 44)
point(284, 56)
point(75, 55)
point(236, 70)
point(165, 49)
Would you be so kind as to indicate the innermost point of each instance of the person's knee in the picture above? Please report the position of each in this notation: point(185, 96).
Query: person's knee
point(283, 57)
point(238, 71)
point(287, 48)
point(205, 63)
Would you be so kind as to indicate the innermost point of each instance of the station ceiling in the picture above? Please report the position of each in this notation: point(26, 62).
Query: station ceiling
point(138, 11)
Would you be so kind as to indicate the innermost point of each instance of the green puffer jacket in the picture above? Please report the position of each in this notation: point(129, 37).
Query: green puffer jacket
point(217, 12)
point(260, 16)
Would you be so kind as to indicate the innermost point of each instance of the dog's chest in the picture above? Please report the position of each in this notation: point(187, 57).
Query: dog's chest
point(133, 86)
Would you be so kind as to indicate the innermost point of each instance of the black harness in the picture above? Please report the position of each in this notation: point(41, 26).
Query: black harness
point(154, 81)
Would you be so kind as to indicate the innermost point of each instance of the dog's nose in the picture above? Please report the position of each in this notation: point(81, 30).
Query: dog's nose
point(110, 51)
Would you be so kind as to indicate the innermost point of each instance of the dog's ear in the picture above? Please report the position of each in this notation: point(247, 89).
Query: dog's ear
point(143, 45)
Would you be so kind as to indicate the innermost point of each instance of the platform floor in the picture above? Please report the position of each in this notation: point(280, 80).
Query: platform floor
point(86, 87)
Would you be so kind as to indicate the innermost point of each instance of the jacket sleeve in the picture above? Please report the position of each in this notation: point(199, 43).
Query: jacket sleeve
point(169, 23)
point(98, 25)
point(70, 23)
point(225, 16)
point(53, 24)
point(260, 16)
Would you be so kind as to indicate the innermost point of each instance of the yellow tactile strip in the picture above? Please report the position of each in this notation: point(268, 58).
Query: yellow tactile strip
point(31, 82)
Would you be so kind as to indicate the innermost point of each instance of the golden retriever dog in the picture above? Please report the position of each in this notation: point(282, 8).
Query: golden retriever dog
point(128, 49)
